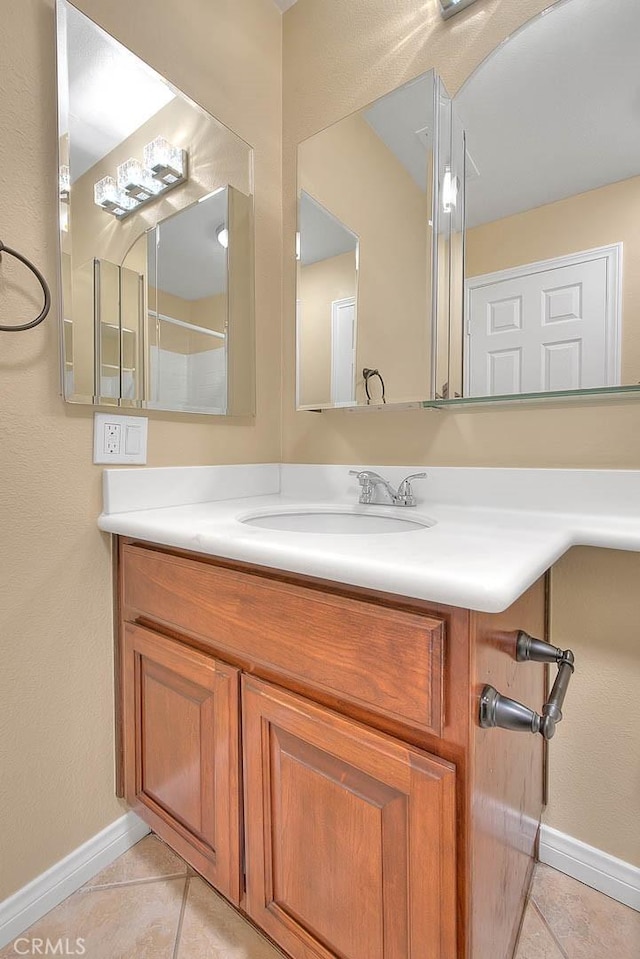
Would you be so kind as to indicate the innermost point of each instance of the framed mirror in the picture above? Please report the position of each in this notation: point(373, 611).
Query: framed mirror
point(156, 237)
point(372, 235)
point(552, 194)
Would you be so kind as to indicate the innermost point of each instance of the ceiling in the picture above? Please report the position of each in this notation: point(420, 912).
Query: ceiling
point(109, 92)
point(284, 4)
point(322, 235)
point(404, 122)
point(191, 263)
point(555, 111)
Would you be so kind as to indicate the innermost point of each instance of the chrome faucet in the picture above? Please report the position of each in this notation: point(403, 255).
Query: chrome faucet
point(369, 480)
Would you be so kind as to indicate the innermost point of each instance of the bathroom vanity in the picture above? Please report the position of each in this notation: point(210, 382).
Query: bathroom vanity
point(311, 741)
point(313, 751)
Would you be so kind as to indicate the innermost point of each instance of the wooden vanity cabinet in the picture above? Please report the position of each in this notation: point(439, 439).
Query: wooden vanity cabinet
point(350, 835)
point(313, 751)
point(182, 760)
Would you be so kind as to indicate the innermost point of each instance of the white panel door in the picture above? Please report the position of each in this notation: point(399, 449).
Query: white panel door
point(543, 329)
point(343, 351)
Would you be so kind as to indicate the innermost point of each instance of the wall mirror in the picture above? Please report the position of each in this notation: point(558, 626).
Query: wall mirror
point(552, 196)
point(156, 237)
point(373, 235)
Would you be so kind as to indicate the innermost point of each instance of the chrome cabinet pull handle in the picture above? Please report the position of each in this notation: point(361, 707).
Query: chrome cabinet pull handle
point(498, 710)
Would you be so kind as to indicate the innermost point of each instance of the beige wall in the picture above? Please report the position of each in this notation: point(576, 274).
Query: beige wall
point(376, 198)
point(595, 756)
point(597, 218)
point(56, 708)
point(319, 284)
point(327, 75)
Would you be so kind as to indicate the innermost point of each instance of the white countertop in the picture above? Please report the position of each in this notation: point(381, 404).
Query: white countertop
point(496, 530)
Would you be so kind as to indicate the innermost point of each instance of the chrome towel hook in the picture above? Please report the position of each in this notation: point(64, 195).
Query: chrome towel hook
point(43, 283)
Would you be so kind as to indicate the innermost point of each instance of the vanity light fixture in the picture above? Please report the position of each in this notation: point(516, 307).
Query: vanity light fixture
point(222, 236)
point(164, 167)
point(449, 7)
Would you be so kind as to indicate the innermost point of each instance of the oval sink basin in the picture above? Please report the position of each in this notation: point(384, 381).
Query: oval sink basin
point(335, 521)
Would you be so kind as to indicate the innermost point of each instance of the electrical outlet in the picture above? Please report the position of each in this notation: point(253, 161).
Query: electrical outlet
point(119, 439)
point(111, 438)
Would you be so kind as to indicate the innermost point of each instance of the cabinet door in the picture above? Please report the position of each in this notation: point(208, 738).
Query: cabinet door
point(350, 835)
point(181, 740)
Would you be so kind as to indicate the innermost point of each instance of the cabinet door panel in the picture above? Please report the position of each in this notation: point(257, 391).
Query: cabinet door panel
point(182, 751)
point(350, 835)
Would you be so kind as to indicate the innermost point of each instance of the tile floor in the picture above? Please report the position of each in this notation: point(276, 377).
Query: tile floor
point(149, 904)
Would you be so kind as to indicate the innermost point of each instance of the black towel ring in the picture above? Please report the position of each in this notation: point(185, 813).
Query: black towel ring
point(367, 376)
point(45, 289)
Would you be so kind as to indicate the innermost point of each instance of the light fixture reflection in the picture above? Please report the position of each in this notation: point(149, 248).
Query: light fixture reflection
point(450, 187)
point(222, 236)
point(64, 183)
point(449, 7)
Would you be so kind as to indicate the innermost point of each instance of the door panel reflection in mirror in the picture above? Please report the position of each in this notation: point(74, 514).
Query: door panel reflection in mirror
point(552, 199)
point(192, 176)
point(367, 207)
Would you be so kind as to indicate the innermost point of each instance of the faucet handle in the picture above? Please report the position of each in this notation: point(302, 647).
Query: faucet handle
point(405, 492)
point(364, 479)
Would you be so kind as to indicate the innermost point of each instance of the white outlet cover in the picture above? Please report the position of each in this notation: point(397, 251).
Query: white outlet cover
point(119, 439)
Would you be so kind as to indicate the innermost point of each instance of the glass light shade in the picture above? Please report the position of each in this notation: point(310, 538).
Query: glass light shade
point(166, 162)
point(136, 180)
point(222, 235)
point(107, 195)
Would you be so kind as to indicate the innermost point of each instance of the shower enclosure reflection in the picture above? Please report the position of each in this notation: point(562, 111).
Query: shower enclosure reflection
point(184, 324)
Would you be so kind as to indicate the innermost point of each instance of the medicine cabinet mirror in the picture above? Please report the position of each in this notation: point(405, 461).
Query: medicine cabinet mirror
point(374, 233)
point(156, 237)
point(551, 291)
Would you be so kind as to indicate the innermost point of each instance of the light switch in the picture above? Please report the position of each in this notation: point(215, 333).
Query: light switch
point(119, 439)
point(132, 440)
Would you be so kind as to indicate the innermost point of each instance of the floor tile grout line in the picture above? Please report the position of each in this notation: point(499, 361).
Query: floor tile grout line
point(133, 882)
point(183, 908)
point(550, 930)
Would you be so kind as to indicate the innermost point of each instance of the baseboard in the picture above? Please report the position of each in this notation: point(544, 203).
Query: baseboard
point(614, 877)
point(34, 900)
